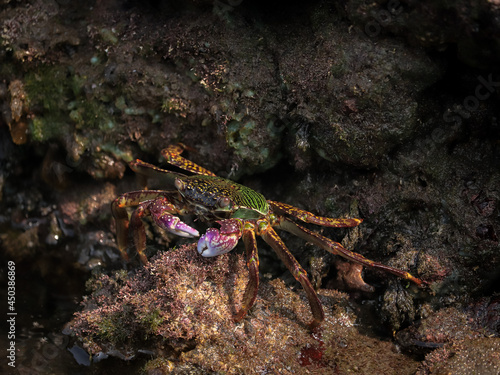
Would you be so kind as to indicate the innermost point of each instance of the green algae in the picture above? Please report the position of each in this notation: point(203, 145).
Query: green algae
point(111, 328)
point(57, 100)
point(152, 321)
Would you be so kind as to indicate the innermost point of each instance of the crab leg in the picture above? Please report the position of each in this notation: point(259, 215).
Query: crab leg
point(150, 170)
point(309, 217)
point(271, 237)
point(119, 211)
point(138, 231)
point(253, 271)
point(172, 155)
point(337, 249)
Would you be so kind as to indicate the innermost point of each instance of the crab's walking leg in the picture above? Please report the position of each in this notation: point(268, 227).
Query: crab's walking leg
point(150, 170)
point(271, 237)
point(173, 156)
point(337, 249)
point(119, 211)
point(253, 271)
point(138, 231)
point(309, 217)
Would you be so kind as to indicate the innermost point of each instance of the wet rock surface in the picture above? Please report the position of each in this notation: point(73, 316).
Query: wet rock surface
point(360, 109)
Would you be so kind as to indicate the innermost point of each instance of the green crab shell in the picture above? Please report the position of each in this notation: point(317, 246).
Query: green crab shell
point(219, 194)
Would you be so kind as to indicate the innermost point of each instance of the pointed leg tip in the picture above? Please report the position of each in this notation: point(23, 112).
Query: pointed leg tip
point(144, 259)
point(421, 283)
point(239, 316)
point(314, 325)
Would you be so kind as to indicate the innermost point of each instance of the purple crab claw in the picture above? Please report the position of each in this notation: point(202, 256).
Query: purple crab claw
point(174, 225)
point(217, 242)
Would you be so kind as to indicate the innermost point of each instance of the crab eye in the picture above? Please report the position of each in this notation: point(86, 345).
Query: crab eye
point(224, 202)
point(179, 185)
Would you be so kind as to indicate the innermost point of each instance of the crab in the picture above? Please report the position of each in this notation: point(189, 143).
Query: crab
point(241, 213)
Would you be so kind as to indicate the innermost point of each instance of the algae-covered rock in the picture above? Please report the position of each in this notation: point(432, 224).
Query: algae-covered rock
point(457, 340)
point(181, 307)
point(478, 356)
